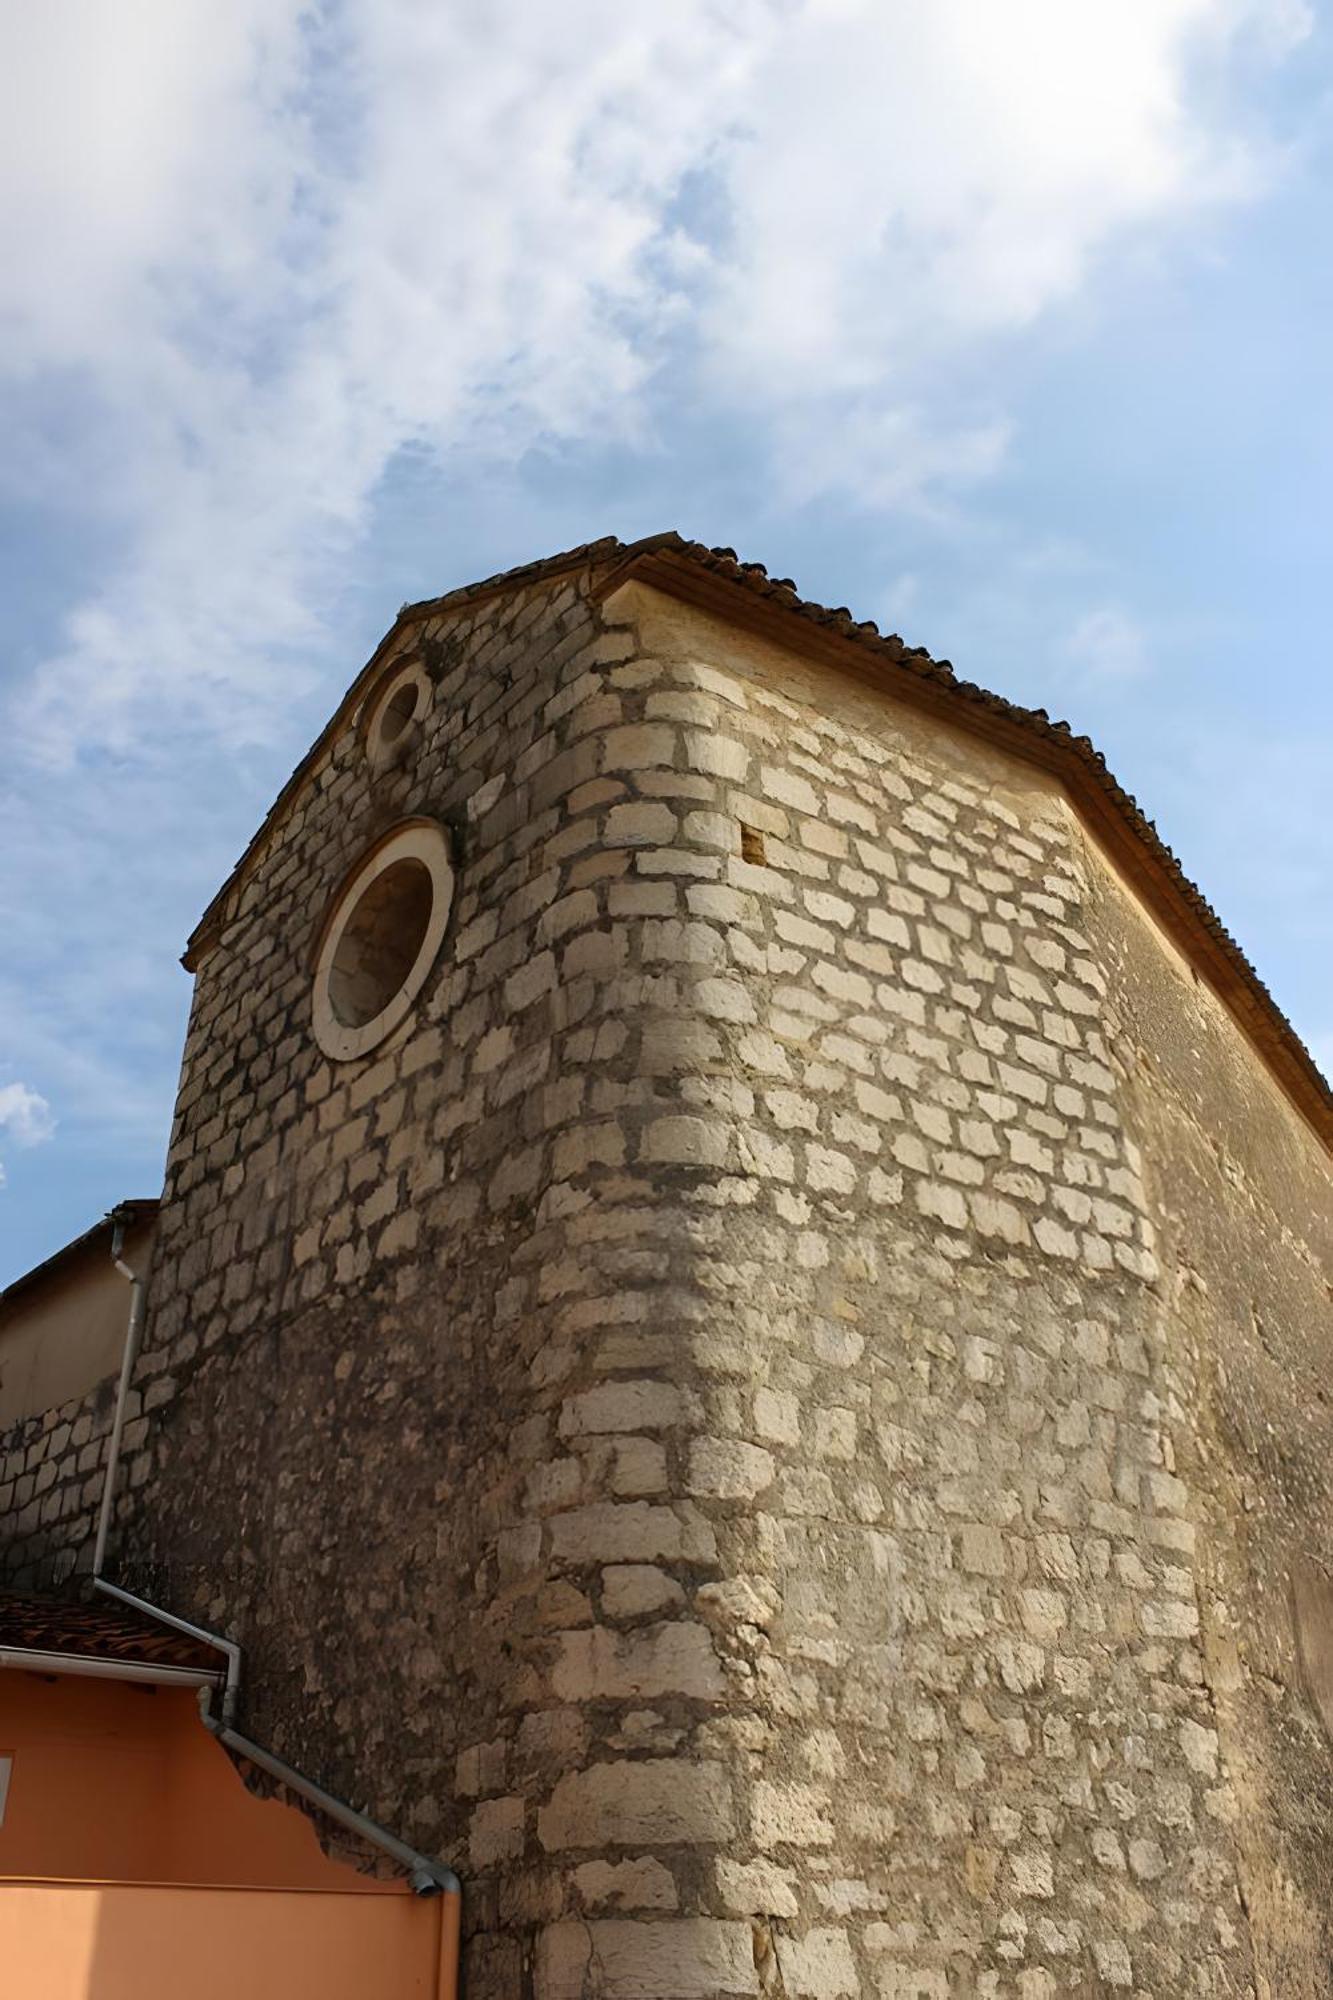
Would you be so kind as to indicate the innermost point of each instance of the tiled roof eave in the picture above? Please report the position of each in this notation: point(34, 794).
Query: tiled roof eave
point(88, 1634)
point(46, 1660)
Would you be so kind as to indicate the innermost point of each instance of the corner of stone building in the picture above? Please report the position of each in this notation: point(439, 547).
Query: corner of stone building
point(936, 1715)
point(726, 1331)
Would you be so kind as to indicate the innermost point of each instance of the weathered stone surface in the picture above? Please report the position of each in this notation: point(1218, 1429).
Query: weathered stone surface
point(631, 1590)
point(814, 1333)
point(653, 1660)
point(661, 1803)
point(640, 1884)
point(694, 1958)
point(819, 1965)
point(790, 1816)
point(631, 1532)
point(496, 1832)
point(728, 1469)
point(757, 1886)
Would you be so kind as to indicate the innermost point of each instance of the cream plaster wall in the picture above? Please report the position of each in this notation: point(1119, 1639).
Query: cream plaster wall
point(66, 1332)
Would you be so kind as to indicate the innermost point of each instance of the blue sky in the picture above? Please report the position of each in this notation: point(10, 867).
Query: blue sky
point(1008, 327)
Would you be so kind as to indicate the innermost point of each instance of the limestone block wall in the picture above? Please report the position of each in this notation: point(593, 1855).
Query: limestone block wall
point(51, 1473)
point(712, 1428)
point(1242, 1192)
point(934, 1098)
point(396, 1303)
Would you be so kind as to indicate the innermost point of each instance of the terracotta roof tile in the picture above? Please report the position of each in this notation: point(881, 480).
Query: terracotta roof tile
point(98, 1632)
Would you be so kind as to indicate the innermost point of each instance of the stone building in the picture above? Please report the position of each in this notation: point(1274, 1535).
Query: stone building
point(740, 1325)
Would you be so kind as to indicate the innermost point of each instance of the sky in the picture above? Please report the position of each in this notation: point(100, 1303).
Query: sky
point(1008, 327)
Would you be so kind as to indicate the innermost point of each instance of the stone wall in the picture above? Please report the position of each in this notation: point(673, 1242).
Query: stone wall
point(52, 1467)
point(62, 1340)
point(1241, 1190)
point(731, 1428)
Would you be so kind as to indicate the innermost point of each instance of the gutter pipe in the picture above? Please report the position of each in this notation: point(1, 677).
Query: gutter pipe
point(231, 1683)
point(127, 1360)
point(428, 1877)
point(35, 1660)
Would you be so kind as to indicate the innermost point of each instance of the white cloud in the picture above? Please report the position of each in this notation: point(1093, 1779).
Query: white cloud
point(141, 144)
point(25, 1117)
point(1105, 646)
point(947, 170)
point(270, 247)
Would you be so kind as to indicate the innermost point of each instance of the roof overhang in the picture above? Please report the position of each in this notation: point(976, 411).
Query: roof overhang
point(148, 1673)
point(100, 1641)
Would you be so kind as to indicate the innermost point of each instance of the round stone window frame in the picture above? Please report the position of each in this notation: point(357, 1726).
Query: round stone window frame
point(395, 706)
point(421, 840)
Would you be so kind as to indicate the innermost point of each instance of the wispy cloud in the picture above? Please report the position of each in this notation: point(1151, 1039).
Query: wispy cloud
point(253, 256)
point(268, 248)
point(25, 1114)
point(25, 1118)
point(1105, 646)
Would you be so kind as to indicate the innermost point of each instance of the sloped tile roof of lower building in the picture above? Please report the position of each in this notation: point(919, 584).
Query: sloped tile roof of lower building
point(97, 1632)
point(744, 593)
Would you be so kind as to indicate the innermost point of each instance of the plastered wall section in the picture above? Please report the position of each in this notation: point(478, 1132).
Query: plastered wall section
point(703, 1431)
point(64, 1332)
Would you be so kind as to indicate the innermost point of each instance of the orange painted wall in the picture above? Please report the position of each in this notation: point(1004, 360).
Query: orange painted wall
point(136, 1866)
point(113, 1782)
point(77, 1942)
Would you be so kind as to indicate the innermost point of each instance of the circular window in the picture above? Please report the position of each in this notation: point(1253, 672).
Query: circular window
point(381, 938)
point(379, 943)
point(399, 701)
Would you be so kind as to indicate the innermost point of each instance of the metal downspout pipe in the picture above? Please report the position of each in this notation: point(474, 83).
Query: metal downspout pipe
point(133, 1332)
point(428, 1877)
point(231, 1685)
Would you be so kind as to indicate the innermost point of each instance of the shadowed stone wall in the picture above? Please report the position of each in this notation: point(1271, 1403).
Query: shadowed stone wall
point(52, 1468)
point(62, 1339)
point(773, 1422)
